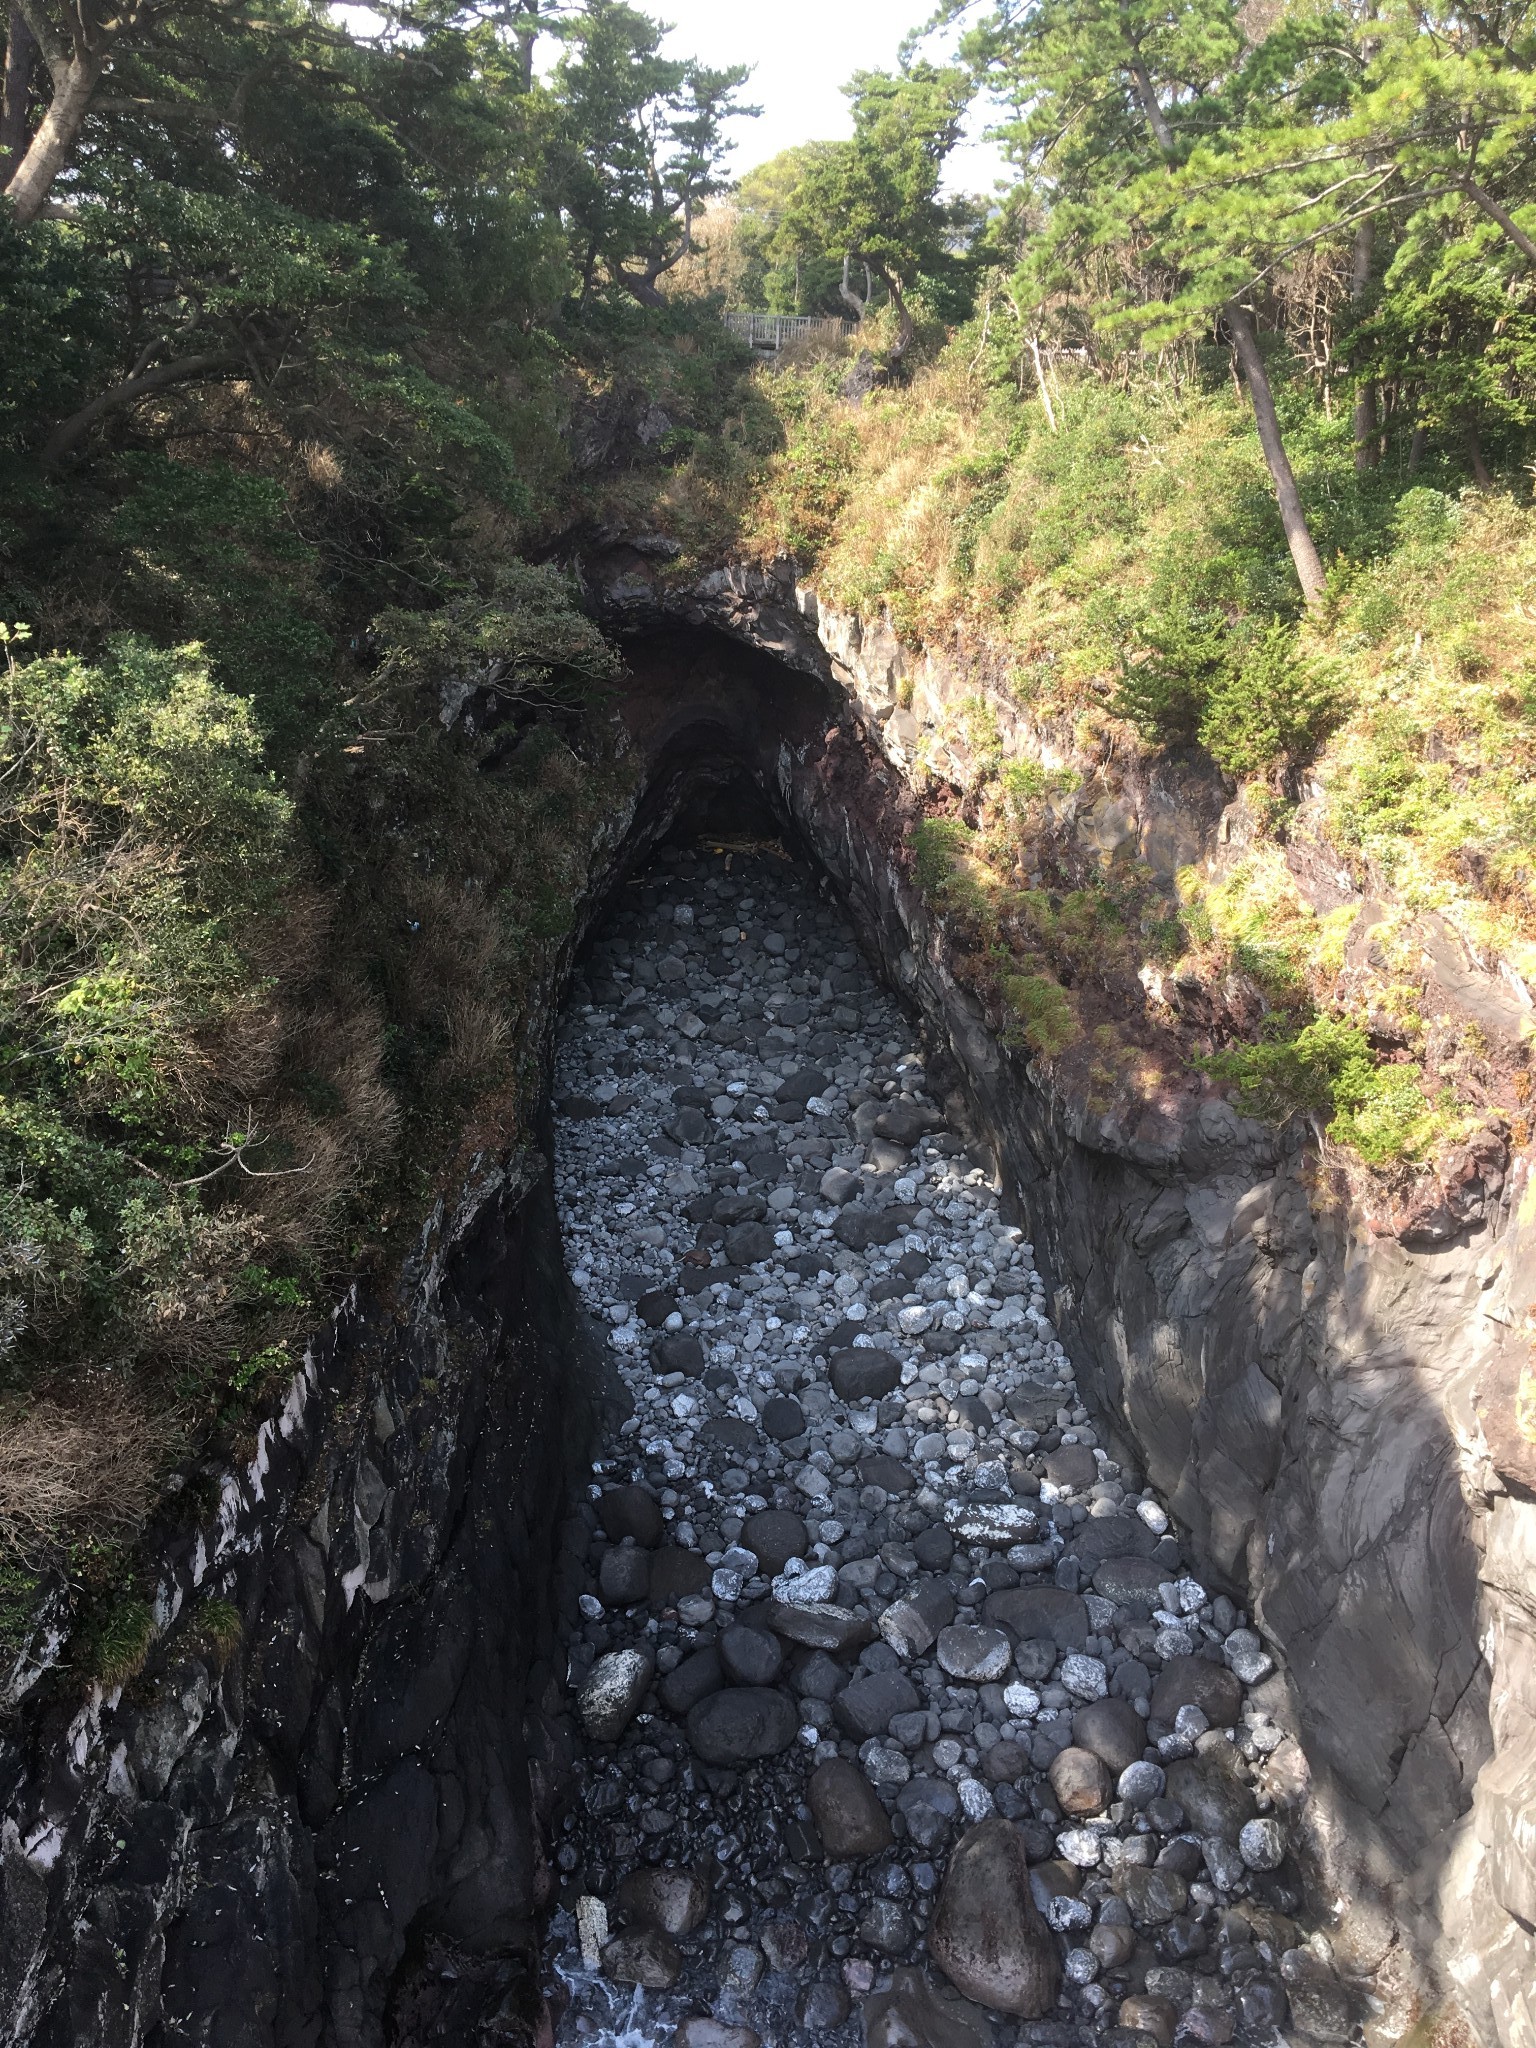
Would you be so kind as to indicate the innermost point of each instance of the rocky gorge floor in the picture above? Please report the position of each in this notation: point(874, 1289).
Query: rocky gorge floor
point(905, 1718)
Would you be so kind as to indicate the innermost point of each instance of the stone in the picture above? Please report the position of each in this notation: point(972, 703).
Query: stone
point(1005, 1762)
point(819, 1677)
point(1319, 2003)
point(624, 1577)
point(912, 1626)
point(611, 1697)
point(819, 1625)
point(748, 1244)
point(706, 2033)
point(675, 1573)
point(980, 1656)
point(987, 1935)
point(742, 1723)
point(884, 1926)
point(1081, 1783)
point(847, 1810)
point(1140, 1783)
point(1123, 1579)
point(858, 1228)
point(1261, 1844)
point(776, 1536)
point(911, 2014)
point(887, 1472)
point(1197, 1682)
point(750, 1656)
point(822, 2006)
point(998, 1525)
point(934, 1547)
point(838, 1186)
point(646, 1957)
point(782, 1418)
point(785, 1944)
point(631, 1511)
point(1072, 1467)
point(676, 1901)
point(1146, 2015)
point(678, 1354)
point(654, 1308)
point(1154, 1896)
point(863, 1374)
point(868, 1705)
point(1216, 1799)
point(1040, 1613)
point(1113, 1730)
point(694, 1679)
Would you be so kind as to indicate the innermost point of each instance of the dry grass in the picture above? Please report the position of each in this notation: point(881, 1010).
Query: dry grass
point(93, 1462)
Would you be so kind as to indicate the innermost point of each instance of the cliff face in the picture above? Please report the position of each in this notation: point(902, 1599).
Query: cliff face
point(285, 1840)
point(1326, 1385)
point(264, 1844)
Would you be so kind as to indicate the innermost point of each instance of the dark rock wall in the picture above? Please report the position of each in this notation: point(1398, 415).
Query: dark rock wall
point(271, 1846)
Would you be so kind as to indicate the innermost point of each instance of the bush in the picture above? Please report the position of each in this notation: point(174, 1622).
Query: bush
point(938, 844)
point(1277, 705)
point(1178, 655)
point(1327, 1068)
point(1046, 1020)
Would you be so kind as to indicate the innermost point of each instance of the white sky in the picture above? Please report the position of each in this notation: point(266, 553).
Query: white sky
point(802, 51)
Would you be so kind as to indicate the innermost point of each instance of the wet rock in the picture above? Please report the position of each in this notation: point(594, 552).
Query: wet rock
point(675, 1573)
point(822, 2006)
point(912, 2015)
point(646, 1957)
point(678, 1354)
point(704, 2033)
point(747, 1244)
point(889, 1473)
point(1005, 1762)
point(848, 1814)
point(776, 1536)
point(868, 1705)
point(987, 1935)
point(1123, 1579)
point(1043, 1613)
point(676, 1901)
point(1261, 1844)
point(1113, 1730)
point(1081, 1782)
point(820, 1626)
point(1197, 1682)
point(631, 1511)
point(750, 1656)
point(654, 1308)
point(624, 1577)
point(740, 1968)
point(1319, 2003)
point(1216, 1798)
point(863, 1374)
point(1148, 2015)
point(1154, 1896)
point(782, 1418)
point(694, 1679)
point(740, 1724)
point(819, 1677)
point(1073, 1466)
point(611, 1697)
point(785, 1944)
point(858, 1228)
point(980, 1656)
point(912, 1626)
point(884, 1926)
point(934, 1547)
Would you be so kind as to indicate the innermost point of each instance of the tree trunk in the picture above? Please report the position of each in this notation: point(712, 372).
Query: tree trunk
point(850, 298)
point(1495, 212)
point(1309, 564)
point(1162, 134)
point(53, 144)
point(1043, 388)
point(1479, 467)
point(1418, 442)
point(1367, 416)
point(181, 371)
point(906, 328)
point(21, 55)
point(639, 286)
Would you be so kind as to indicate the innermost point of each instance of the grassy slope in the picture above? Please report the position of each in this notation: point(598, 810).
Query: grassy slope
point(1126, 578)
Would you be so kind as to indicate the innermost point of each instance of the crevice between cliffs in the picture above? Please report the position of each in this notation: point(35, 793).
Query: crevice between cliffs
point(338, 1832)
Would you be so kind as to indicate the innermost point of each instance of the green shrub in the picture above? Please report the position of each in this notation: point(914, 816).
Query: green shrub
point(1275, 705)
point(1327, 1069)
point(119, 1643)
point(1177, 656)
point(1045, 1018)
point(938, 844)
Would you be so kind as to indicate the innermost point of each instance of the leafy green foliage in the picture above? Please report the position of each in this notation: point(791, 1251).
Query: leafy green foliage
point(1326, 1069)
point(1043, 1013)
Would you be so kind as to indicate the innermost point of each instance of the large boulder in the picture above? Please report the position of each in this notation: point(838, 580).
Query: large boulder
point(987, 1935)
point(847, 1811)
point(742, 1723)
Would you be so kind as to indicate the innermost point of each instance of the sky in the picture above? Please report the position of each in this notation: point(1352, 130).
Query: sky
point(802, 51)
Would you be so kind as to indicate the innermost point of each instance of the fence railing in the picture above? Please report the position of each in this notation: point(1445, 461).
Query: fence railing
point(779, 330)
